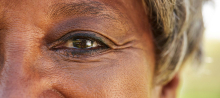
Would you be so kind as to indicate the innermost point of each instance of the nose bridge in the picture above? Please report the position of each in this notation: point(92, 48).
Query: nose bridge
point(16, 77)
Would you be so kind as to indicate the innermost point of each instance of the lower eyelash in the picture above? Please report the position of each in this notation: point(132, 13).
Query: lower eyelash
point(77, 53)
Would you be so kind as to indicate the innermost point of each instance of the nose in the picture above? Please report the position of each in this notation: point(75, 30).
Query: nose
point(17, 80)
point(19, 77)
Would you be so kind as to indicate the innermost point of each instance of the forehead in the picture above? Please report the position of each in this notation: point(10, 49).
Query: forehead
point(43, 13)
point(46, 5)
point(42, 10)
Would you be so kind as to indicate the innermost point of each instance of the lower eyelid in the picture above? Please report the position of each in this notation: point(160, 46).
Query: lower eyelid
point(77, 53)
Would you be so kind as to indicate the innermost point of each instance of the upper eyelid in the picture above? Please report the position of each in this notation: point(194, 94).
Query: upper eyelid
point(88, 34)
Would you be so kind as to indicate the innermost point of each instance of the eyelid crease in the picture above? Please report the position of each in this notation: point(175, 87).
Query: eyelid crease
point(106, 27)
point(123, 46)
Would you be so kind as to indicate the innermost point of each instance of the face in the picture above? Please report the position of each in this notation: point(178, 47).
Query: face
point(75, 49)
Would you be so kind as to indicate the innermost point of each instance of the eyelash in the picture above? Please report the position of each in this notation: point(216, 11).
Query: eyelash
point(77, 52)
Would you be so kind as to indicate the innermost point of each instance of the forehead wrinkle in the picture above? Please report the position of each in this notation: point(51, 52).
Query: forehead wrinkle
point(82, 8)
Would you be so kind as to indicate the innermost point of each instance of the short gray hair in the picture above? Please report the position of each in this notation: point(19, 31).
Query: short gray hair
point(178, 28)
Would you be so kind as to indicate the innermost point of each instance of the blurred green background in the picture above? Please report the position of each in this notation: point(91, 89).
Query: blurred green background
point(205, 81)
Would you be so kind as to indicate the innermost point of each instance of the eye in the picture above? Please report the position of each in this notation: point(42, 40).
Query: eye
point(80, 43)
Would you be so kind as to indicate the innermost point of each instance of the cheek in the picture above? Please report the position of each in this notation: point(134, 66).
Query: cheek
point(122, 74)
point(131, 77)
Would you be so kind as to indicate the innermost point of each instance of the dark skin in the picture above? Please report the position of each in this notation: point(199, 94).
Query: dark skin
point(77, 49)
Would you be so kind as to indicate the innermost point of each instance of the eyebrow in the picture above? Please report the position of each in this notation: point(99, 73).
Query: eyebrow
point(82, 8)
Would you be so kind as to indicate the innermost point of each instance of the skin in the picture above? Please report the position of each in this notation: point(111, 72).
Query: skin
point(30, 68)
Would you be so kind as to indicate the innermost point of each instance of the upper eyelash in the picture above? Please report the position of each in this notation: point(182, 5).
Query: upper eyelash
point(74, 34)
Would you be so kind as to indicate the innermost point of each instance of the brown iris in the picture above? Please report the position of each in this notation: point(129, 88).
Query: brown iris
point(81, 43)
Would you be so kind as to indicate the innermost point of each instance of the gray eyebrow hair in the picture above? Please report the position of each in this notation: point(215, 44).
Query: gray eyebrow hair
point(87, 8)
